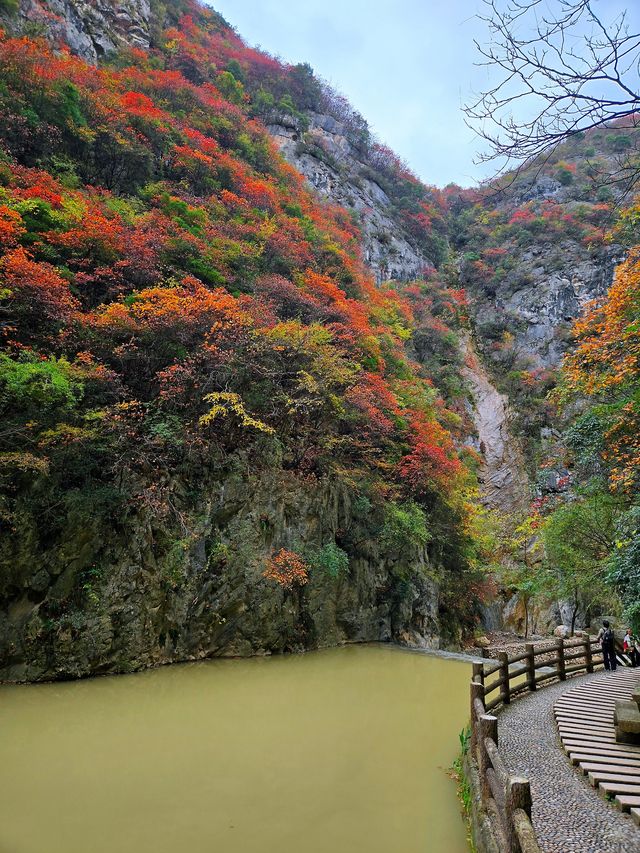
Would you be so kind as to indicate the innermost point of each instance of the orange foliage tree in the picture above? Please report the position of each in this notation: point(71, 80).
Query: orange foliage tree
point(605, 366)
point(287, 569)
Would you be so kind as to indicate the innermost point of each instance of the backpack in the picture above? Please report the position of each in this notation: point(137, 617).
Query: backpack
point(607, 638)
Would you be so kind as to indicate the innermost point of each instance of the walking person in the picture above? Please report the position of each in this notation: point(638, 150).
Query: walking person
point(629, 647)
point(607, 643)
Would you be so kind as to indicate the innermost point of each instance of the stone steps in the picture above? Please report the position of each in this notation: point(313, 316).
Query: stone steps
point(616, 769)
point(589, 718)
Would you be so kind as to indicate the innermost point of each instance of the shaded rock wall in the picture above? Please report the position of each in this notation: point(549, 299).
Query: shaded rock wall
point(185, 590)
point(545, 293)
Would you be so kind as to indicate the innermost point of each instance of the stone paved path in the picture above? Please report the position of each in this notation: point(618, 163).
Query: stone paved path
point(568, 815)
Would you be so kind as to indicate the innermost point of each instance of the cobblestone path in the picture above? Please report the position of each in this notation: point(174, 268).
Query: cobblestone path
point(568, 815)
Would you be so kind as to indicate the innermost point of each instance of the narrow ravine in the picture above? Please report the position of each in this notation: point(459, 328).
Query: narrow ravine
point(504, 477)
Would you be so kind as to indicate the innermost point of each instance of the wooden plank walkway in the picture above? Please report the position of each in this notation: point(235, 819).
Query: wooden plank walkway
point(584, 717)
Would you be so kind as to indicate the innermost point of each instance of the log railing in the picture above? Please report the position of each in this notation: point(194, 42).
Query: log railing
point(506, 798)
point(508, 676)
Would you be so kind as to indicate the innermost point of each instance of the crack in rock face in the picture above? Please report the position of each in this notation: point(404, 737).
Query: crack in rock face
point(504, 478)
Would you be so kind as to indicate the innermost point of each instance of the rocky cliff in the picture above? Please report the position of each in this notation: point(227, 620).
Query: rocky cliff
point(547, 282)
point(532, 254)
point(92, 29)
point(229, 384)
point(179, 574)
point(138, 603)
point(339, 170)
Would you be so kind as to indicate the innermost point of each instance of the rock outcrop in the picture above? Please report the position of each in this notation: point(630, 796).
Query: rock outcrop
point(150, 586)
point(90, 28)
point(206, 594)
point(545, 293)
point(335, 167)
point(208, 597)
point(504, 480)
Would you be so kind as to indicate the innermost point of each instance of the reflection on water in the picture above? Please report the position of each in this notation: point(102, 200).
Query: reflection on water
point(341, 750)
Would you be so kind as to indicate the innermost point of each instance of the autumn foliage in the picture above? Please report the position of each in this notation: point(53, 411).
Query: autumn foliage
point(605, 367)
point(287, 569)
point(198, 304)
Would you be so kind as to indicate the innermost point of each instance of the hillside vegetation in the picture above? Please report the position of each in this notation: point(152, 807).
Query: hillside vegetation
point(194, 351)
point(538, 250)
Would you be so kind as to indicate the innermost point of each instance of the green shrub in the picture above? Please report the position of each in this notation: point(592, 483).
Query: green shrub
point(286, 105)
point(618, 142)
point(232, 89)
point(330, 558)
point(405, 527)
point(604, 194)
point(624, 565)
point(174, 564)
point(585, 438)
point(8, 7)
point(565, 176)
point(34, 386)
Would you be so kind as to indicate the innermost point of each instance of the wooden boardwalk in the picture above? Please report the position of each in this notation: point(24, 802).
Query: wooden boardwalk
point(584, 717)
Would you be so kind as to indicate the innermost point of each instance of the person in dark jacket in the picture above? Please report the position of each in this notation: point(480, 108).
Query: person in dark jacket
point(607, 643)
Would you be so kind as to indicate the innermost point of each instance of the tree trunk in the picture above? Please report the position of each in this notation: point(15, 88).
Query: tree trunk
point(574, 615)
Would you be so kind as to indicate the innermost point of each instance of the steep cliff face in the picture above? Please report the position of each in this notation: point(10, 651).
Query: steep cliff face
point(549, 281)
point(137, 602)
point(536, 250)
point(339, 171)
point(179, 573)
point(504, 481)
point(532, 255)
point(559, 282)
point(92, 29)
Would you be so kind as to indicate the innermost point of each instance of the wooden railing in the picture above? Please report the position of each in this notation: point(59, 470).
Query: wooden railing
point(507, 798)
point(527, 670)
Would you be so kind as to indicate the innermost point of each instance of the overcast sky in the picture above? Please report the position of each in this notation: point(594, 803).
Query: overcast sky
point(406, 65)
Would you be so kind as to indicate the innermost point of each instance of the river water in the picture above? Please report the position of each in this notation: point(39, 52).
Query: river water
point(337, 751)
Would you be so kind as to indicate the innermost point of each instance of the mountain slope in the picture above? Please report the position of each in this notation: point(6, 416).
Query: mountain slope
point(535, 250)
point(221, 435)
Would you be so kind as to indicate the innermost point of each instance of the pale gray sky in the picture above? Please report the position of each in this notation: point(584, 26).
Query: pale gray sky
point(406, 65)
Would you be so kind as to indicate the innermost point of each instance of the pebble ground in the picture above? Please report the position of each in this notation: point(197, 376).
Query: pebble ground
point(568, 815)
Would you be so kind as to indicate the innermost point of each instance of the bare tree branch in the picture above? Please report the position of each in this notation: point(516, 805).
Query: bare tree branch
point(563, 70)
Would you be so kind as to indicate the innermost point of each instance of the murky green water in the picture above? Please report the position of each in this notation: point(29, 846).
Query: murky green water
point(339, 751)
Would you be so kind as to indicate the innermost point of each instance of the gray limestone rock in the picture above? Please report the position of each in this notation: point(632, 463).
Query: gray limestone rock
point(90, 28)
point(335, 168)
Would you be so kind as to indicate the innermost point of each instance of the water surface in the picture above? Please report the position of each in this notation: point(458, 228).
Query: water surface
point(342, 750)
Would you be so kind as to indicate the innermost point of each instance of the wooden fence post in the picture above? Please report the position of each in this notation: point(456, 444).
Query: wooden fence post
point(518, 796)
point(488, 725)
point(531, 666)
point(478, 672)
point(587, 653)
point(477, 692)
point(503, 657)
point(561, 664)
